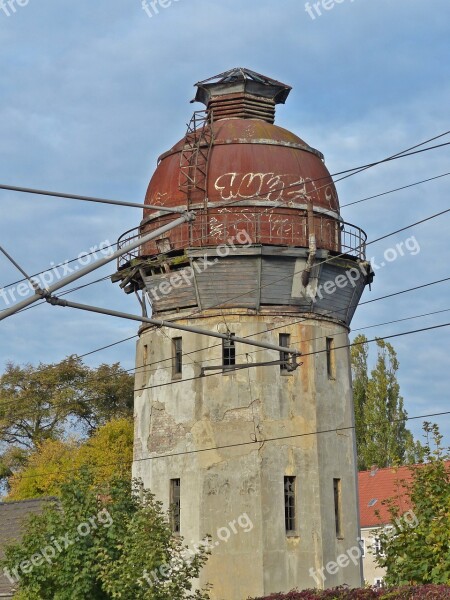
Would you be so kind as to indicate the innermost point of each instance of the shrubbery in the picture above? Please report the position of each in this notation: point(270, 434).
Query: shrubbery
point(421, 592)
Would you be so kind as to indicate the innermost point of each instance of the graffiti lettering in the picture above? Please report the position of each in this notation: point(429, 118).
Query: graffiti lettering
point(265, 186)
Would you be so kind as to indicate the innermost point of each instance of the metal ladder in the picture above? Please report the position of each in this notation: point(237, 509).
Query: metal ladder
point(194, 156)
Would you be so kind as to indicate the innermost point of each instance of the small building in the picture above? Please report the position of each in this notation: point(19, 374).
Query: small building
point(13, 516)
point(375, 486)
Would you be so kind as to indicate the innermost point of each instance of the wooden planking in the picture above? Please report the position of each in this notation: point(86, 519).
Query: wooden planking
point(276, 280)
point(358, 292)
point(340, 300)
point(242, 280)
point(232, 280)
point(177, 297)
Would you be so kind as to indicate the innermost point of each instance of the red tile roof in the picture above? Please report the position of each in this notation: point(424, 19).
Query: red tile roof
point(377, 485)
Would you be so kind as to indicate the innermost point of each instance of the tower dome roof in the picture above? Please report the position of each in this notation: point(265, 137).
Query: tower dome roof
point(249, 160)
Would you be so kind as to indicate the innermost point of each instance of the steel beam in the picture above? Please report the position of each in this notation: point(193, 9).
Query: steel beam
point(223, 336)
point(39, 295)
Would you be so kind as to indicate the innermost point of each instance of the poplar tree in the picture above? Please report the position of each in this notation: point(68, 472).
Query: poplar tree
point(381, 433)
point(359, 355)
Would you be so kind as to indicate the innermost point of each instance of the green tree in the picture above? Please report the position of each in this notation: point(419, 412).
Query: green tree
point(381, 433)
point(417, 551)
point(43, 403)
point(103, 543)
point(108, 453)
point(108, 393)
point(35, 402)
point(359, 356)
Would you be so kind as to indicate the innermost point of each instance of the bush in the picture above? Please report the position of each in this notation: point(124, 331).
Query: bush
point(421, 592)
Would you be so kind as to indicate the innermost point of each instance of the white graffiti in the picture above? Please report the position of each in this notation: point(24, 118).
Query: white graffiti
point(265, 186)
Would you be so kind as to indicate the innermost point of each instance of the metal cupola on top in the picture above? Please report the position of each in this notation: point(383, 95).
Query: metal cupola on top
point(239, 172)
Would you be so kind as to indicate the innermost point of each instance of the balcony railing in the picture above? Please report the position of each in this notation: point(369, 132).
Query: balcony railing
point(280, 228)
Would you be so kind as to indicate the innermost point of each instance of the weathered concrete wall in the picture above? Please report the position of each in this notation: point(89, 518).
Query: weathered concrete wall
point(220, 485)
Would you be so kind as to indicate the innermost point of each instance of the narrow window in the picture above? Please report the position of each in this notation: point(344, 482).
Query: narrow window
point(330, 358)
point(378, 547)
point(337, 506)
point(284, 339)
point(289, 504)
point(177, 357)
point(144, 365)
point(175, 505)
point(228, 354)
point(362, 544)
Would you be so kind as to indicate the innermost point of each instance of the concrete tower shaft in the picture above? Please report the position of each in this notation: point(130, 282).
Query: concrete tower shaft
point(229, 435)
point(239, 437)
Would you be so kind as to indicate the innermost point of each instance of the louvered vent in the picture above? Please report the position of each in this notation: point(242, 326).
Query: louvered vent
point(242, 94)
point(242, 106)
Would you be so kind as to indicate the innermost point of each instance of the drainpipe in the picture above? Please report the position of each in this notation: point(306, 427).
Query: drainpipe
point(312, 246)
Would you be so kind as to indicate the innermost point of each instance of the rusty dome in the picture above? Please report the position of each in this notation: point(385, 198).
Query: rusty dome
point(235, 168)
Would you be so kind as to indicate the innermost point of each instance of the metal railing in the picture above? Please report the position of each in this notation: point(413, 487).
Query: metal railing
point(278, 228)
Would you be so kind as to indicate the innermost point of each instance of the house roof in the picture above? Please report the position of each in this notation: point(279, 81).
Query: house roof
point(13, 516)
point(377, 485)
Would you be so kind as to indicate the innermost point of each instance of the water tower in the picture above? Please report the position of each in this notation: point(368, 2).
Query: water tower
point(269, 257)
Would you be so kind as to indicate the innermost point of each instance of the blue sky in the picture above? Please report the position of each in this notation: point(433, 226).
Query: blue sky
point(92, 93)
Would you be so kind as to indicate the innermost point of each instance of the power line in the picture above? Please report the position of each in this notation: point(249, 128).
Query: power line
point(303, 319)
point(148, 371)
point(358, 169)
point(107, 348)
point(404, 153)
point(284, 437)
point(228, 446)
point(386, 337)
point(259, 333)
point(347, 172)
point(77, 258)
point(404, 187)
point(52, 194)
point(67, 262)
point(35, 275)
point(145, 368)
point(371, 242)
point(70, 291)
point(325, 261)
point(429, 314)
point(54, 287)
point(330, 258)
point(187, 354)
